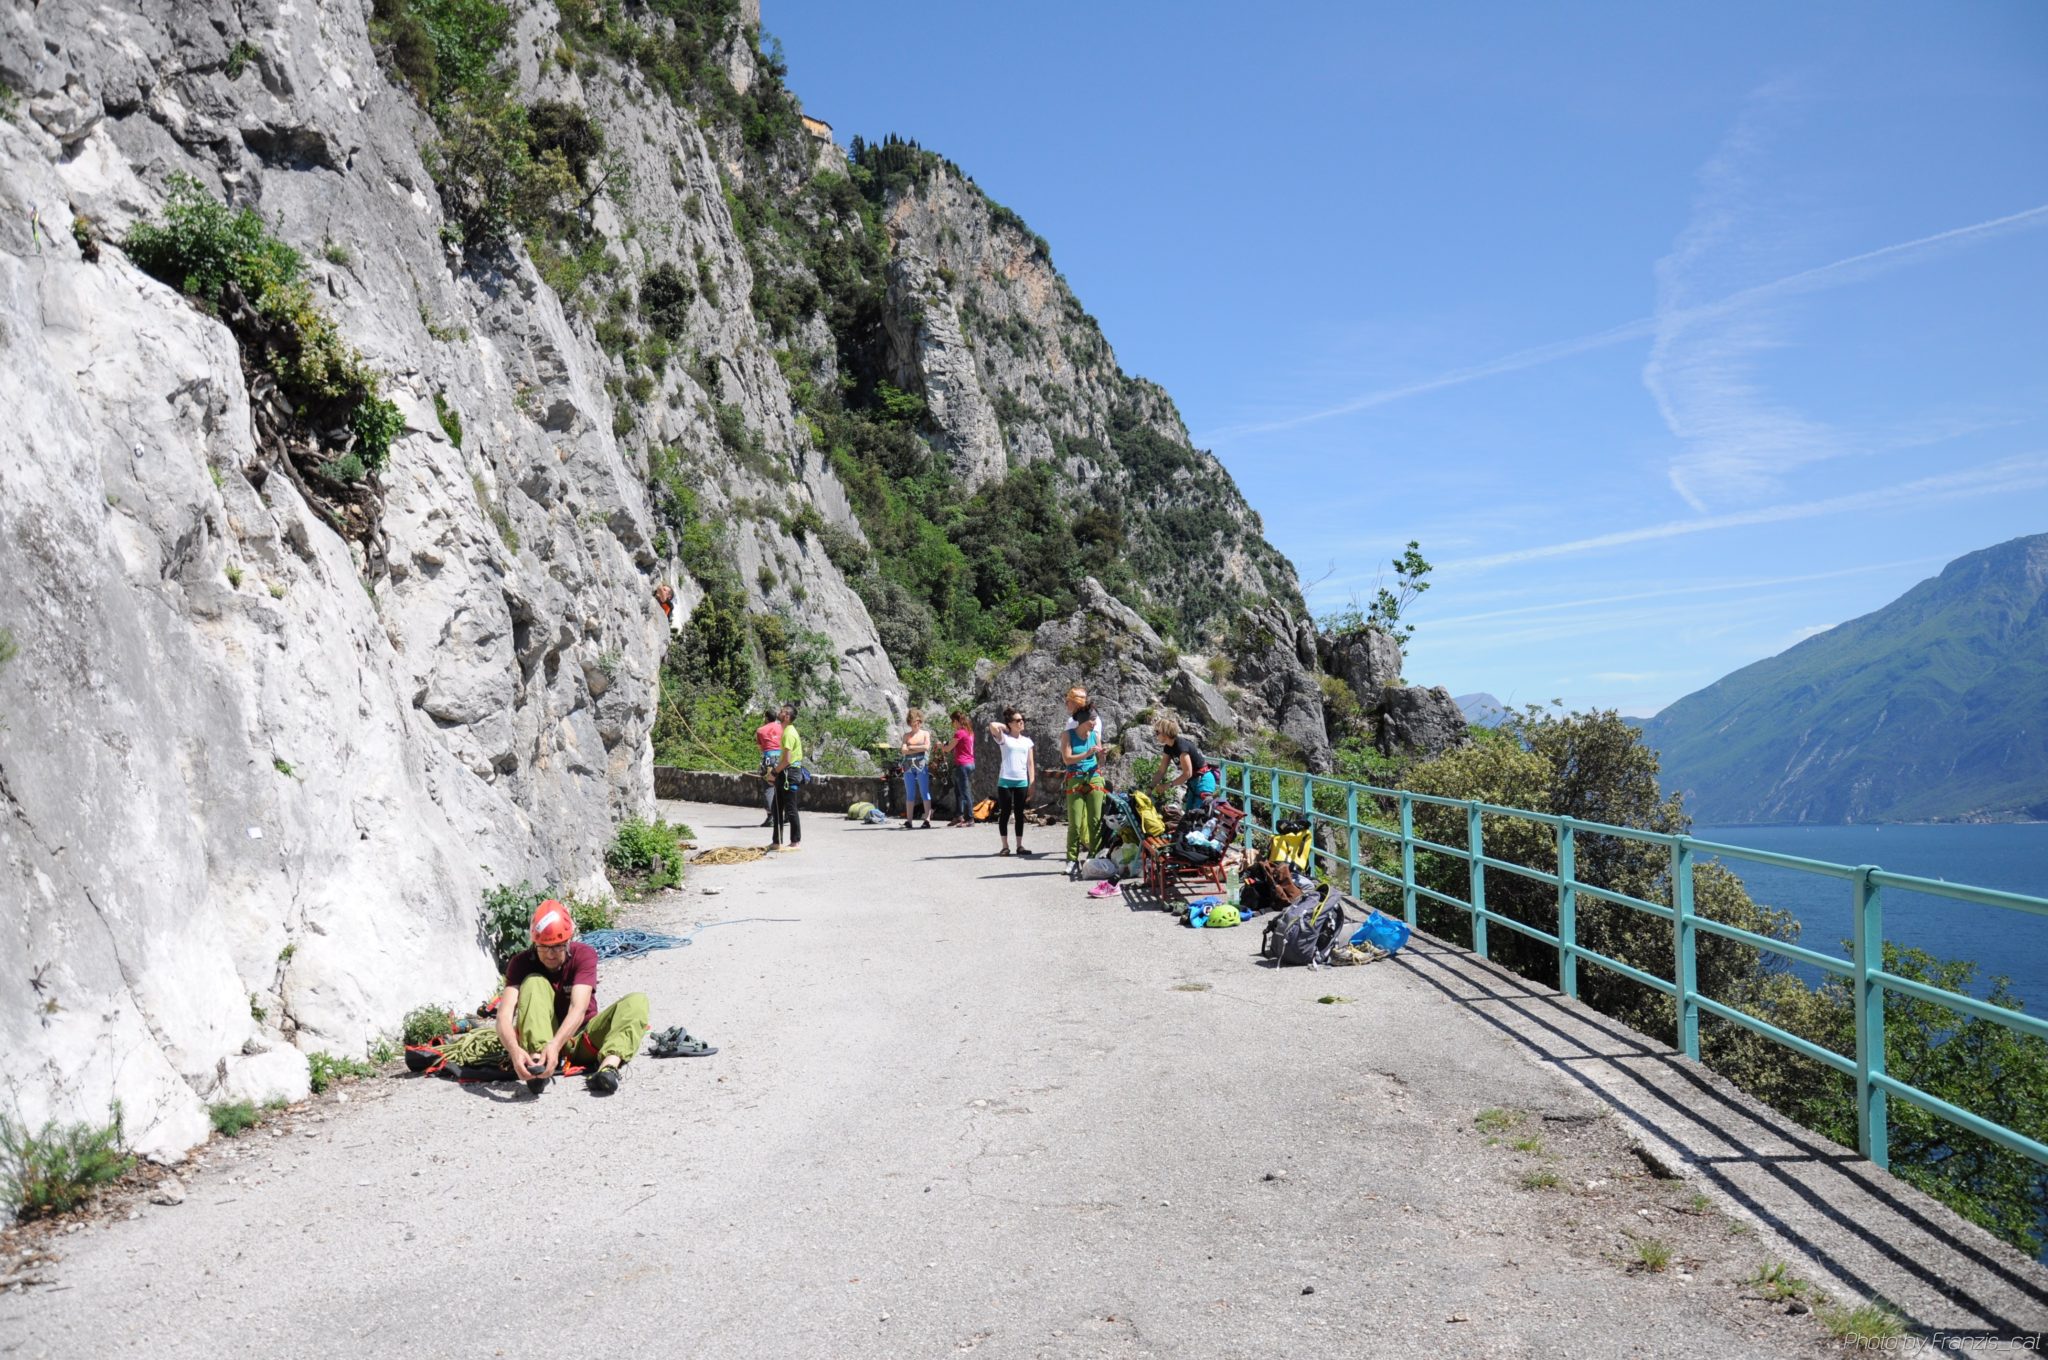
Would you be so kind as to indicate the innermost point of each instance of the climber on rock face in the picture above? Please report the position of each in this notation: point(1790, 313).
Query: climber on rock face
point(545, 1014)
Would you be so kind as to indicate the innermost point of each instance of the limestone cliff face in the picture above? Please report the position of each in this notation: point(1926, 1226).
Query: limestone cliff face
point(254, 775)
point(1018, 373)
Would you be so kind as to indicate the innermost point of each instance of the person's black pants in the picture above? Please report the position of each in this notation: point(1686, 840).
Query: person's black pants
point(789, 796)
point(1010, 802)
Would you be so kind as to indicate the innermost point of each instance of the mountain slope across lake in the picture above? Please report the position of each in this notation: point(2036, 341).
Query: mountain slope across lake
point(1933, 708)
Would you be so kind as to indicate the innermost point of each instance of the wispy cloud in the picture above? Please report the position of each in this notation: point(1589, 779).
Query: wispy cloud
point(1674, 319)
point(2023, 473)
point(1638, 329)
point(1746, 585)
point(1736, 441)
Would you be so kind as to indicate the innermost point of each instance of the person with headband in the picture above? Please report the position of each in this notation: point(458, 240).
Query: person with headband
point(548, 1011)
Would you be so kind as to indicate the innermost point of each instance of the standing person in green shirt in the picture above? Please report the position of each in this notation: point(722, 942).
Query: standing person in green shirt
point(788, 775)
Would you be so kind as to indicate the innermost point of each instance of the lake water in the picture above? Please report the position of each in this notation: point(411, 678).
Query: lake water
point(2013, 858)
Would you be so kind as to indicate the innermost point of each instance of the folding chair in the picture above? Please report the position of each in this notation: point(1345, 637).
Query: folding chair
point(1164, 872)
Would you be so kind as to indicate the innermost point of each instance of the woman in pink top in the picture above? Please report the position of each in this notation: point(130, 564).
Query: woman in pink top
point(768, 736)
point(961, 747)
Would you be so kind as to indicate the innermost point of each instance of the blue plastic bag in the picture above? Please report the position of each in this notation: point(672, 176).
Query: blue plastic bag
point(1383, 932)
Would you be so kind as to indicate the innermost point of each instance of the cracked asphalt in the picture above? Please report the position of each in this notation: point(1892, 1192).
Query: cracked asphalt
point(958, 1107)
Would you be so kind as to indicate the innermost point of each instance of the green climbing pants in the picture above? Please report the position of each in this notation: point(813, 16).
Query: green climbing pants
point(1084, 820)
point(617, 1029)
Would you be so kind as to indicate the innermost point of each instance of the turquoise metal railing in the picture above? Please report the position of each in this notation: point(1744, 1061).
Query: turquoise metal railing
point(1864, 969)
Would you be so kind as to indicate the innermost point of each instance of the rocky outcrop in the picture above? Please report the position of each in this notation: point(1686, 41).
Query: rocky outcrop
point(1280, 689)
point(1103, 646)
point(255, 775)
point(1418, 722)
point(1366, 659)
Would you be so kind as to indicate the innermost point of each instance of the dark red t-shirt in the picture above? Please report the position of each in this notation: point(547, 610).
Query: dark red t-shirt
point(579, 968)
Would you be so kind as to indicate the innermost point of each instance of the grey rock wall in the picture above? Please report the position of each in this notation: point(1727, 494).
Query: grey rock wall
point(254, 777)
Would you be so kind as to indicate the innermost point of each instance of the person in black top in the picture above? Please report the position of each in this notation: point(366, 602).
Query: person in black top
point(1182, 763)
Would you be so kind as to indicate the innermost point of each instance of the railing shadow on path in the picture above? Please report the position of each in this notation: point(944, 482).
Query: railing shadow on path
point(1876, 1236)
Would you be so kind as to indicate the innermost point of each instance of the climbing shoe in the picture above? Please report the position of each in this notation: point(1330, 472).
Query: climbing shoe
point(605, 1080)
point(538, 1084)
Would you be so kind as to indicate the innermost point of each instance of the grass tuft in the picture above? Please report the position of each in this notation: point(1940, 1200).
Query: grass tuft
point(1546, 1179)
point(1867, 1324)
point(326, 1069)
point(1652, 1254)
point(233, 1117)
point(1775, 1282)
point(1498, 1121)
point(57, 1168)
point(426, 1022)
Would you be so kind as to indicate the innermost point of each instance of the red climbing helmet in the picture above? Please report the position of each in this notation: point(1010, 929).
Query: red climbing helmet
point(551, 923)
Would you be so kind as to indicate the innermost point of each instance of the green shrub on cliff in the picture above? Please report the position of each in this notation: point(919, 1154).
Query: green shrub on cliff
point(226, 260)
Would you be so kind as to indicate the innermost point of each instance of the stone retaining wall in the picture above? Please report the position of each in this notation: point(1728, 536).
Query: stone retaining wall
point(825, 792)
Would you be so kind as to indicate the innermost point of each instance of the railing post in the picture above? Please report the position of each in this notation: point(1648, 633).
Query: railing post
point(1245, 798)
point(1567, 912)
point(1685, 937)
point(1473, 844)
point(1873, 1137)
point(1351, 828)
point(1273, 799)
point(1408, 859)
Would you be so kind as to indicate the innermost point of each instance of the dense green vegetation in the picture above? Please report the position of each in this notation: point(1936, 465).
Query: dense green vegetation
point(227, 261)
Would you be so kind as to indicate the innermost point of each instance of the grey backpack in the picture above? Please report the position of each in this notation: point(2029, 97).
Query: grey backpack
point(1307, 931)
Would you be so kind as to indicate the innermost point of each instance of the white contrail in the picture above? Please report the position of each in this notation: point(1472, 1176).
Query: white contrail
point(2010, 474)
point(1806, 280)
point(1713, 588)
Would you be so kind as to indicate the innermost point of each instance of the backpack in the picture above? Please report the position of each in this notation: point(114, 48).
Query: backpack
point(1197, 842)
point(1268, 886)
point(859, 811)
point(1149, 819)
point(985, 809)
point(1307, 931)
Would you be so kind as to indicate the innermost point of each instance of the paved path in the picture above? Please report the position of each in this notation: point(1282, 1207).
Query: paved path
point(959, 1108)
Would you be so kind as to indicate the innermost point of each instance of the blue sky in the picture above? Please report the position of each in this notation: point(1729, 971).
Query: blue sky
point(1674, 335)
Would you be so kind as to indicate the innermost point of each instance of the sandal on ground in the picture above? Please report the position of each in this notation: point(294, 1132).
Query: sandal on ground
point(677, 1042)
point(1004, 851)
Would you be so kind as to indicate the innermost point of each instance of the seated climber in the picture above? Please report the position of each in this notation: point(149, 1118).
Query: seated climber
point(546, 1011)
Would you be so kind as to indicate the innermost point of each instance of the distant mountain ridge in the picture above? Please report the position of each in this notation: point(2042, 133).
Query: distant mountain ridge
point(1481, 709)
point(1933, 708)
